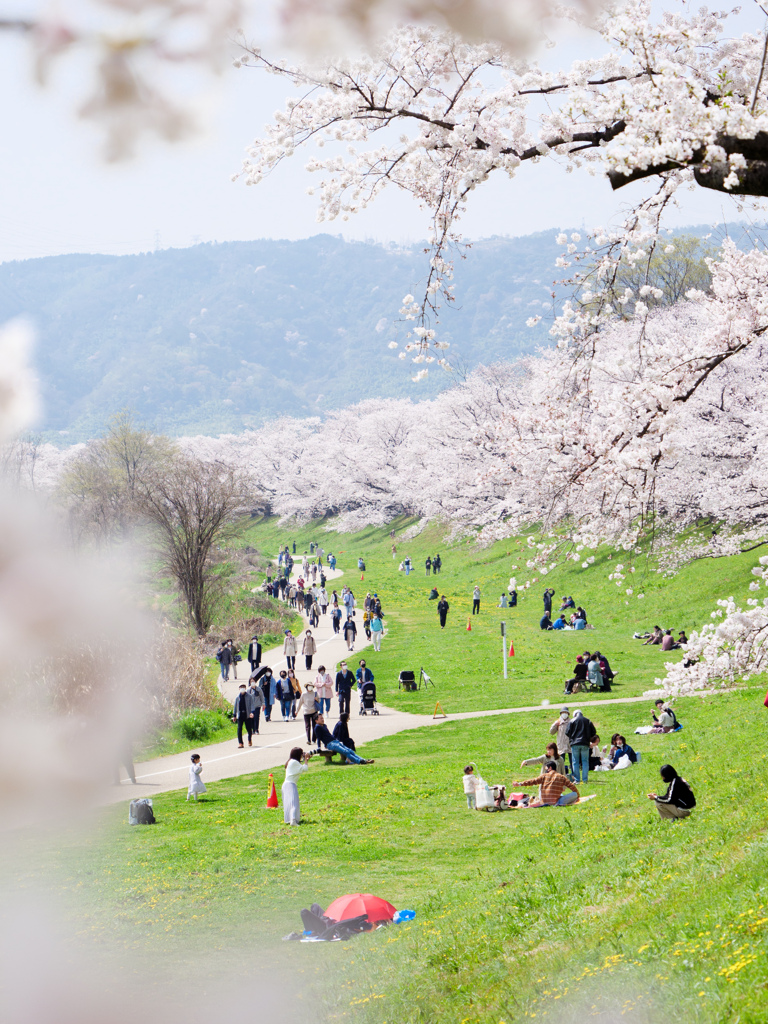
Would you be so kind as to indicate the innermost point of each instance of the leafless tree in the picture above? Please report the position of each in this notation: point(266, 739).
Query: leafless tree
point(194, 506)
point(100, 486)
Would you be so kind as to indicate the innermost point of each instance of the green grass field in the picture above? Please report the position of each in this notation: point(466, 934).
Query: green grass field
point(595, 912)
point(467, 666)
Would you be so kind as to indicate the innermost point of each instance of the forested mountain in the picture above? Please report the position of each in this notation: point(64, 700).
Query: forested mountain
point(219, 337)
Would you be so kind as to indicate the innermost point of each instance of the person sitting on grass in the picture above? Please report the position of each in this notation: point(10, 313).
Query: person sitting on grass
point(433, 594)
point(678, 801)
point(552, 784)
point(551, 754)
point(682, 639)
point(665, 721)
point(620, 749)
point(656, 636)
point(667, 641)
point(595, 753)
point(545, 622)
point(559, 623)
point(323, 735)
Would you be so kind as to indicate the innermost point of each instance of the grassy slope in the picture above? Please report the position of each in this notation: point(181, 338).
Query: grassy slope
point(560, 915)
point(467, 666)
point(598, 912)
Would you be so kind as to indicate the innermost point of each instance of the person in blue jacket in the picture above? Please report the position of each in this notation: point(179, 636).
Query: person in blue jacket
point(559, 623)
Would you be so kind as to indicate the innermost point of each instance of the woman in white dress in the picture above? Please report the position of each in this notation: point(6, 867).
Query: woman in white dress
point(295, 766)
point(196, 784)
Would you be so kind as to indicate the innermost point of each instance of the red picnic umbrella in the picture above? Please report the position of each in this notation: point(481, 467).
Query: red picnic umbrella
point(355, 904)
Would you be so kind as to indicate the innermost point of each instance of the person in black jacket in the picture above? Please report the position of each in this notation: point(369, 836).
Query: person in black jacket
point(254, 653)
point(243, 713)
point(341, 732)
point(323, 735)
point(579, 675)
point(678, 801)
point(225, 655)
point(548, 595)
point(442, 610)
point(344, 683)
point(580, 731)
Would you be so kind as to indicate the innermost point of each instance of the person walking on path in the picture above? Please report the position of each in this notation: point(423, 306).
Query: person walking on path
point(323, 688)
point(308, 705)
point(363, 675)
point(254, 653)
point(308, 649)
point(323, 735)
point(377, 631)
point(295, 766)
point(336, 617)
point(344, 683)
point(258, 703)
point(442, 610)
point(289, 648)
point(678, 801)
point(476, 600)
point(196, 784)
point(350, 632)
point(293, 679)
point(224, 655)
point(242, 715)
point(235, 656)
point(268, 685)
point(581, 732)
point(322, 600)
point(285, 695)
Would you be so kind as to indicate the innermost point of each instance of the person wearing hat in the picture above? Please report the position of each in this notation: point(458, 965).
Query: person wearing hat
point(308, 706)
point(559, 727)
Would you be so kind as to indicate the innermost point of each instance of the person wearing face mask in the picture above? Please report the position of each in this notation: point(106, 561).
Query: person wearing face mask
point(242, 715)
point(308, 649)
point(558, 728)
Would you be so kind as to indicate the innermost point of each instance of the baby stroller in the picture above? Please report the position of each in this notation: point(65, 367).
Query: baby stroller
point(368, 699)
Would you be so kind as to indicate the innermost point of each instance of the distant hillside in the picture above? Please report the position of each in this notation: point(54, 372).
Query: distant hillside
point(219, 337)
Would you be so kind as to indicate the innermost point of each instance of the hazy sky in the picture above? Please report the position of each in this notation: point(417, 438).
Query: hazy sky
point(57, 196)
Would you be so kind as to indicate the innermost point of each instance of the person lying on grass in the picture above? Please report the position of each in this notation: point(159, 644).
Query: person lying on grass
point(552, 784)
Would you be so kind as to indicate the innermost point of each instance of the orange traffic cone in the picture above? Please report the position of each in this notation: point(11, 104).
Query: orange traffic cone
point(362, 575)
point(469, 625)
point(272, 798)
point(511, 649)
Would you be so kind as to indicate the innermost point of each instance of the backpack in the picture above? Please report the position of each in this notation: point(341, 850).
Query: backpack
point(140, 812)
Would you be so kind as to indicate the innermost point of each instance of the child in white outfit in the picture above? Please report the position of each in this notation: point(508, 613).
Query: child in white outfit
point(470, 786)
point(196, 784)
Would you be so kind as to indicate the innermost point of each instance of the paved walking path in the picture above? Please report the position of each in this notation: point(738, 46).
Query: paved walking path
point(275, 739)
